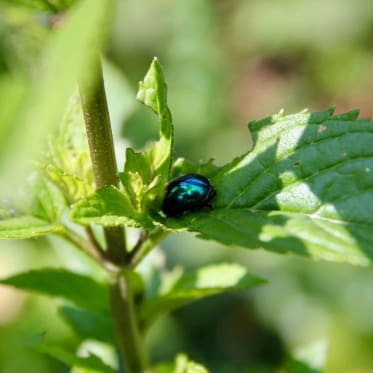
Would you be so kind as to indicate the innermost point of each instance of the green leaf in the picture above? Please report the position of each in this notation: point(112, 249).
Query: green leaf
point(26, 227)
point(153, 90)
point(137, 176)
point(206, 281)
point(67, 162)
point(182, 365)
point(73, 287)
point(66, 58)
point(183, 166)
point(108, 207)
point(153, 93)
point(146, 173)
point(89, 364)
point(89, 325)
point(40, 218)
point(48, 203)
point(306, 187)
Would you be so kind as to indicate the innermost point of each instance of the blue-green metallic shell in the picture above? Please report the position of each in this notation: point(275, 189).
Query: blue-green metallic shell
point(189, 192)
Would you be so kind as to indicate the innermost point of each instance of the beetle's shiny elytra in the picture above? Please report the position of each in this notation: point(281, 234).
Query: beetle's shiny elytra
point(189, 192)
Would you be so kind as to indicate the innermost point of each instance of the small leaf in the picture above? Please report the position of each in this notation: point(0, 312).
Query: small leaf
point(89, 364)
point(146, 173)
point(67, 162)
point(153, 90)
point(206, 281)
point(89, 325)
point(26, 227)
point(137, 176)
point(48, 202)
point(183, 166)
point(107, 207)
point(306, 187)
point(153, 93)
point(73, 287)
point(73, 186)
point(40, 218)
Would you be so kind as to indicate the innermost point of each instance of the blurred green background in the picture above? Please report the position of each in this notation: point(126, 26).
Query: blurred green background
point(226, 62)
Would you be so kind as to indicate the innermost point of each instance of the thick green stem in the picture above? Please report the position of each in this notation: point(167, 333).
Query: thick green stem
point(126, 323)
point(101, 146)
point(96, 116)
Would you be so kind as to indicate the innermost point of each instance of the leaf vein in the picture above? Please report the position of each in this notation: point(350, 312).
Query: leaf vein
point(310, 176)
point(285, 155)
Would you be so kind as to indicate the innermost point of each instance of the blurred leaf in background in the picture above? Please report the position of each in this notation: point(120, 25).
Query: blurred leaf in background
point(32, 111)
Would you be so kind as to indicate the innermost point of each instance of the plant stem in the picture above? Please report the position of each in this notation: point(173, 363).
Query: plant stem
point(101, 146)
point(143, 248)
point(88, 248)
point(126, 323)
point(100, 140)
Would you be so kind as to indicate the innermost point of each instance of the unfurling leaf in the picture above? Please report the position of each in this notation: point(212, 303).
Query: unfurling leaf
point(146, 173)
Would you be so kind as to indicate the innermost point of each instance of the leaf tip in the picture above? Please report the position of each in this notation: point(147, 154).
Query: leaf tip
point(155, 61)
point(321, 116)
point(349, 116)
point(255, 125)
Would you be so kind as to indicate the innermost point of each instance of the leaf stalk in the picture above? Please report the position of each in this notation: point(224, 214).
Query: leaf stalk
point(145, 244)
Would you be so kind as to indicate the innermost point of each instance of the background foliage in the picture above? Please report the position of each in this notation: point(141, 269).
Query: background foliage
point(231, 62)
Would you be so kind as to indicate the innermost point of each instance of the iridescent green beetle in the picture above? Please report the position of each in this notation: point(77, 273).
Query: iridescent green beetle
point(189, 192)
